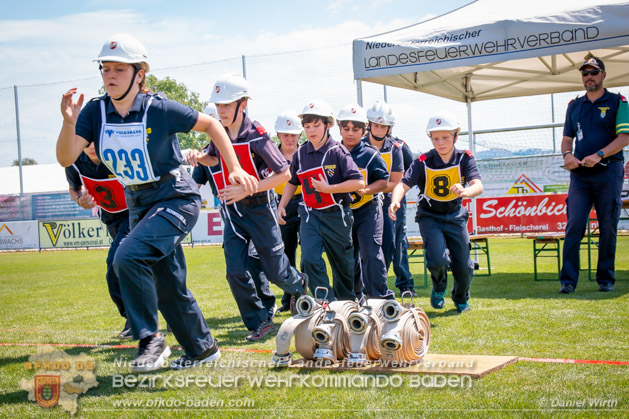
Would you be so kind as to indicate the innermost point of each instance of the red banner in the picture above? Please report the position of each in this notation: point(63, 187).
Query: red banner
point(527, 213)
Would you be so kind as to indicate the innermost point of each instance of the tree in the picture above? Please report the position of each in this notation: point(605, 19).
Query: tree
point(26, 161)
point(180, 93)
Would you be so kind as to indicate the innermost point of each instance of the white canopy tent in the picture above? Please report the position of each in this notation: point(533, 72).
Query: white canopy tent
point(493, 49)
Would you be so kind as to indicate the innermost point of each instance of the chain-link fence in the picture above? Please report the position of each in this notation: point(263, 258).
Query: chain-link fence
point(30, 118)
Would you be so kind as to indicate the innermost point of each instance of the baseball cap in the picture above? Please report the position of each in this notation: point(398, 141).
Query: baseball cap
point(593, 62)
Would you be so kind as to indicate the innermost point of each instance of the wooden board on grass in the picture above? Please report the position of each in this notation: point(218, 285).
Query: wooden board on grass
point(476, 366)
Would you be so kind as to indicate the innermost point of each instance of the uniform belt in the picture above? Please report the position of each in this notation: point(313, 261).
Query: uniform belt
point(143, 186)
point(333, 208)
point(298, 196)
point(255, 200)
point(365, 205)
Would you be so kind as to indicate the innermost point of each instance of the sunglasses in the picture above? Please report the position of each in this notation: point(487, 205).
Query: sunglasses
point(586, 73)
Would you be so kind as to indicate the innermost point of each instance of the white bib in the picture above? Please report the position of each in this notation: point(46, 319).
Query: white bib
point(123, 149)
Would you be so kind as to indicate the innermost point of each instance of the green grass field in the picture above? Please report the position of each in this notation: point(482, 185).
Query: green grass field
point(61, 297)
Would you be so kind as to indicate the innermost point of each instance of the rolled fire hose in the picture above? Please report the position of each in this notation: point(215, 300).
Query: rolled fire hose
point(365, 326)
point(332, 334)
point(309, 314)
point(405, 334)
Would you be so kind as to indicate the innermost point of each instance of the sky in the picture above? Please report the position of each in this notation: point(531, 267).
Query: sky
point(45, 41)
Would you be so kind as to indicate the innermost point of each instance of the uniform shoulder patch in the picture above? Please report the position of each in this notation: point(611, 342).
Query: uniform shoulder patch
point(422, 158)
point(622, 98)
point(469, 153)
point(259, 128)
point(397, 144)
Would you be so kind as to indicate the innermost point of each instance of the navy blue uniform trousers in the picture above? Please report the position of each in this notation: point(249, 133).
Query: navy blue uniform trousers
point(254, 266)
point(442, 232)
point(151, 266)
point(117, 232)
point(370, 272)
point(329, 231)
point(403, 276)
point(290, 236)
point(603, 190)
point(395, 244)
point(255, 223)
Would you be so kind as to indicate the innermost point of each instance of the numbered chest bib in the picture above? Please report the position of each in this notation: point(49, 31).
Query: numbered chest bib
point(280, 189)
point(124, 150)
point(313, 198)
point(439, 181)
point(387, 156)
point(107, 193)
point(359, 201)
point(245, 158)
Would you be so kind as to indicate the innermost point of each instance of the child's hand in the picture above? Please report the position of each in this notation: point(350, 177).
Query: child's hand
point(232, 193)
point(459, 190)
point(281, 213)
point(320, 185)
point(86, 201)
point(393, 207)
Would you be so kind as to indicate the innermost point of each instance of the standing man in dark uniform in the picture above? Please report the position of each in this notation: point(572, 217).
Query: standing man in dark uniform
point(91, 184)
point(599, 121)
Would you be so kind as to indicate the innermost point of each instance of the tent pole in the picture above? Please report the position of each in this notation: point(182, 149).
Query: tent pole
point(359, 92)
point(472, 142)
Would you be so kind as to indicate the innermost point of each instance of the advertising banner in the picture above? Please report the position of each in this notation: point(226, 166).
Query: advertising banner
point(209, 228)
point(17, 235)
point(521, 214)
point(57, 206)
point(73, 233)
point(15, 208)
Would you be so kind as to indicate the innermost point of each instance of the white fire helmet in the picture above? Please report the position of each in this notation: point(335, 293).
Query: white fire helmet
point(352, 112)
point(210, 109)
point(381, 113)
point(288, 123)
point(229, 88)
point(123, 48)
point(443, 121)
point(319, 108)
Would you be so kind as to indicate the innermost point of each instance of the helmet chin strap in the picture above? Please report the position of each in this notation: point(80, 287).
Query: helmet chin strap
point(135, 72)
point(236, 112)
point(379, 138)
point(325, 133)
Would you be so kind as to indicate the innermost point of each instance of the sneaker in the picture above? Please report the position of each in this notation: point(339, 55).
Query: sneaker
point(284, 308)
point(436, 300)
point(126, 333)
point(271, 313)
point(151, 355)
point(409, 289)
point(187, 361)
point(606, 287)
point(304, 291)
point(566, 289)
point(263, 329)
point(461, 308)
